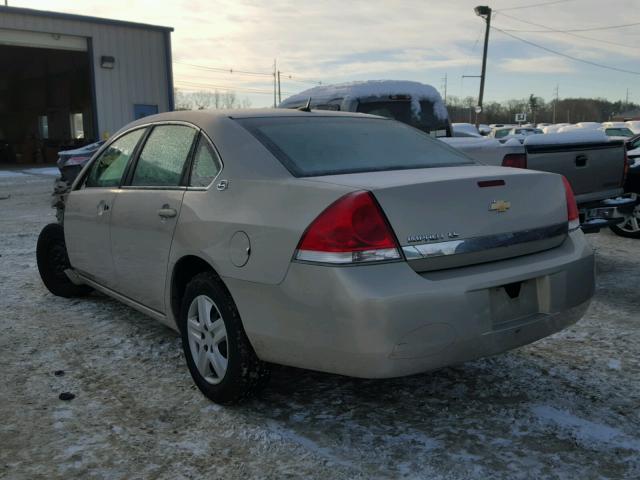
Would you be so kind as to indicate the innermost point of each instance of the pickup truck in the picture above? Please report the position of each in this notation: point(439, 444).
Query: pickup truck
point(594, 165)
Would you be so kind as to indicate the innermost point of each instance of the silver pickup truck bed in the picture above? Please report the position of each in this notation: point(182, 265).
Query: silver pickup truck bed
point(594, 170)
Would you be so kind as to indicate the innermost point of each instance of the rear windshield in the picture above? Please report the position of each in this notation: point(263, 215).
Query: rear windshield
point(316, 146)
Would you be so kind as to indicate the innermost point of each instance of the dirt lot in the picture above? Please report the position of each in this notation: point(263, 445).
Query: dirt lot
point(565, 407)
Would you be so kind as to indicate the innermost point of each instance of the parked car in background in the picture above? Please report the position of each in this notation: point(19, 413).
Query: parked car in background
point(520, 133)
point(633, 149)
point(634, 126)
point(413, 103)
point(70, 162)
point(621, 133)
point(555, 127)
point(484, 129)
point(302, 238)
point(591, 125)
point(631, 226)
point(500, 132)
point(464, 130)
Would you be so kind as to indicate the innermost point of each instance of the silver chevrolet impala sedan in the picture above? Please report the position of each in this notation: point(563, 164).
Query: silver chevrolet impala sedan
point(338, 242)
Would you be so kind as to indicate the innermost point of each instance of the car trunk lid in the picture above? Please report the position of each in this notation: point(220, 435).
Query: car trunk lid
point(456, 216)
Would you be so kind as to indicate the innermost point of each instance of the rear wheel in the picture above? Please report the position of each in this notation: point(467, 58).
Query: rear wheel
point(630, 228)
point(51, 254)
point(219, 356)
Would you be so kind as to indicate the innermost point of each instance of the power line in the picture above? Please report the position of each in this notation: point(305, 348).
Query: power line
point(299, 79)
point(226, 70)
point(570, 57)
point(553, 30)
point(533, 5)
point(591, 29)
point(189, 84)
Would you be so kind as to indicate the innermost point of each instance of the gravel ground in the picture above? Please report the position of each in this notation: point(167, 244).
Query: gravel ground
point(564, 407)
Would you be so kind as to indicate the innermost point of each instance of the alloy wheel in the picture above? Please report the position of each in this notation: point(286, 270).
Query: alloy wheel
point(208, 339)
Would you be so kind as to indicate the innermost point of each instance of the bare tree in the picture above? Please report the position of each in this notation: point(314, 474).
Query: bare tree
point(204, 99)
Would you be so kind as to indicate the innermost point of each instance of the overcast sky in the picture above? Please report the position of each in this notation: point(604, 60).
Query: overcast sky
point(342, 40)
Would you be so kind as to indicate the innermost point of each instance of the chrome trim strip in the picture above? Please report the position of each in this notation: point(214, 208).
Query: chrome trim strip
point(477, 244)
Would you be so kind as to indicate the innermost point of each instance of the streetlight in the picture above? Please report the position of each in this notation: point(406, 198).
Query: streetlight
point(483, 12)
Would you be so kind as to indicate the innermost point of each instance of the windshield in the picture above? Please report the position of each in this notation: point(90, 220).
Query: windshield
point(312, 146)
point(502, 133)
point(619, 132)
point(401, 110)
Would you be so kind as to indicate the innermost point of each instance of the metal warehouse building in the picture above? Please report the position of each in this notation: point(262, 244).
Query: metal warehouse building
point(67, 80)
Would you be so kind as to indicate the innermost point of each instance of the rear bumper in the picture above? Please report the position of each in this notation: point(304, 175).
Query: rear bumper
point(387, 320)
point(602, 214)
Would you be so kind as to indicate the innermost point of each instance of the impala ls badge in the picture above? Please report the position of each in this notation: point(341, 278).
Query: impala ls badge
point(499, 206)
point(431, 237)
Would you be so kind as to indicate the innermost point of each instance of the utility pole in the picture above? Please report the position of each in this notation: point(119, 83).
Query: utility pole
point(279, 94)
point(444, 80)
point(627, 101)
point(555, 104)
point(275, 86)
point(484, 12)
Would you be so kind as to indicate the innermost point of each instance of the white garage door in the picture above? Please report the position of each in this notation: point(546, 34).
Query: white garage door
point(23, 38)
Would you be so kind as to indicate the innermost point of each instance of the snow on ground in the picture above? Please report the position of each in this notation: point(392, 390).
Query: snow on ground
point(49, 171)
point(564, 407)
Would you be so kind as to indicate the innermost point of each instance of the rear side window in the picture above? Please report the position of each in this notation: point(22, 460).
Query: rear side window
point(206, 164)
point(107, 169)
point(315, 146)
point(162, 159)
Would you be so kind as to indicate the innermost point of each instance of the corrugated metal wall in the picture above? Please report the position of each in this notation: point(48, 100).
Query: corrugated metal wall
point(140, 73)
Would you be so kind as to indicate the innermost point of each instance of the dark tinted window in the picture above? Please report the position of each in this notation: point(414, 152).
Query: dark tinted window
point(107, 169)
point(206, 164)
point(426, 120)
point(333, 145)
point(163, 156)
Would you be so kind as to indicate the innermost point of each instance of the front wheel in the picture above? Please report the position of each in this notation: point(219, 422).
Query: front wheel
point(630, 228)
point(219, 356)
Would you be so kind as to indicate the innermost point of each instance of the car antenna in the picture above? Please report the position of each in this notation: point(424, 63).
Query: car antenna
point(307, 107)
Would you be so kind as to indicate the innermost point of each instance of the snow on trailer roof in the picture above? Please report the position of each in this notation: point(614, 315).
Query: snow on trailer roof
point(374, 88)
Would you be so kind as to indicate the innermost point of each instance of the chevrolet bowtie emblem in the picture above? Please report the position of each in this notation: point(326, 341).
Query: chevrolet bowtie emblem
point(499, 206)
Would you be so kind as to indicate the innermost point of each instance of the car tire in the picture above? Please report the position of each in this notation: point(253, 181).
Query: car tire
point(219, 356)
point(52, 258)
point(630, 228)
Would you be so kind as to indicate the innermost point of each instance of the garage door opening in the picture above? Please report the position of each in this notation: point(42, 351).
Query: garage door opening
point(46, 101)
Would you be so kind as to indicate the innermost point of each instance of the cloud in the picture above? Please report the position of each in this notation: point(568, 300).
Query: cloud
point(539, 65)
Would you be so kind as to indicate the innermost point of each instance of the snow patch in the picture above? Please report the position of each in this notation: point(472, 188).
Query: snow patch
point(614, 364)
point(585, 431)
point(374, 88)
point(11, 174)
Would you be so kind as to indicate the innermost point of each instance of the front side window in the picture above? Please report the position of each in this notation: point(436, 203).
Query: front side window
point(107, 169)
point(311, 146)
point(206, 164)
point(163, 157)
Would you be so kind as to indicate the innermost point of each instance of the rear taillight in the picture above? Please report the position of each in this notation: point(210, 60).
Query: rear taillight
point(351, 230)
point(573, 216)
point(515, 160)
point(625, 170)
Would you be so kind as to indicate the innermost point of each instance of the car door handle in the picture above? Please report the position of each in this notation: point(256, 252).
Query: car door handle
point(102, 207)
point(167, 212)
point(581, 161)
